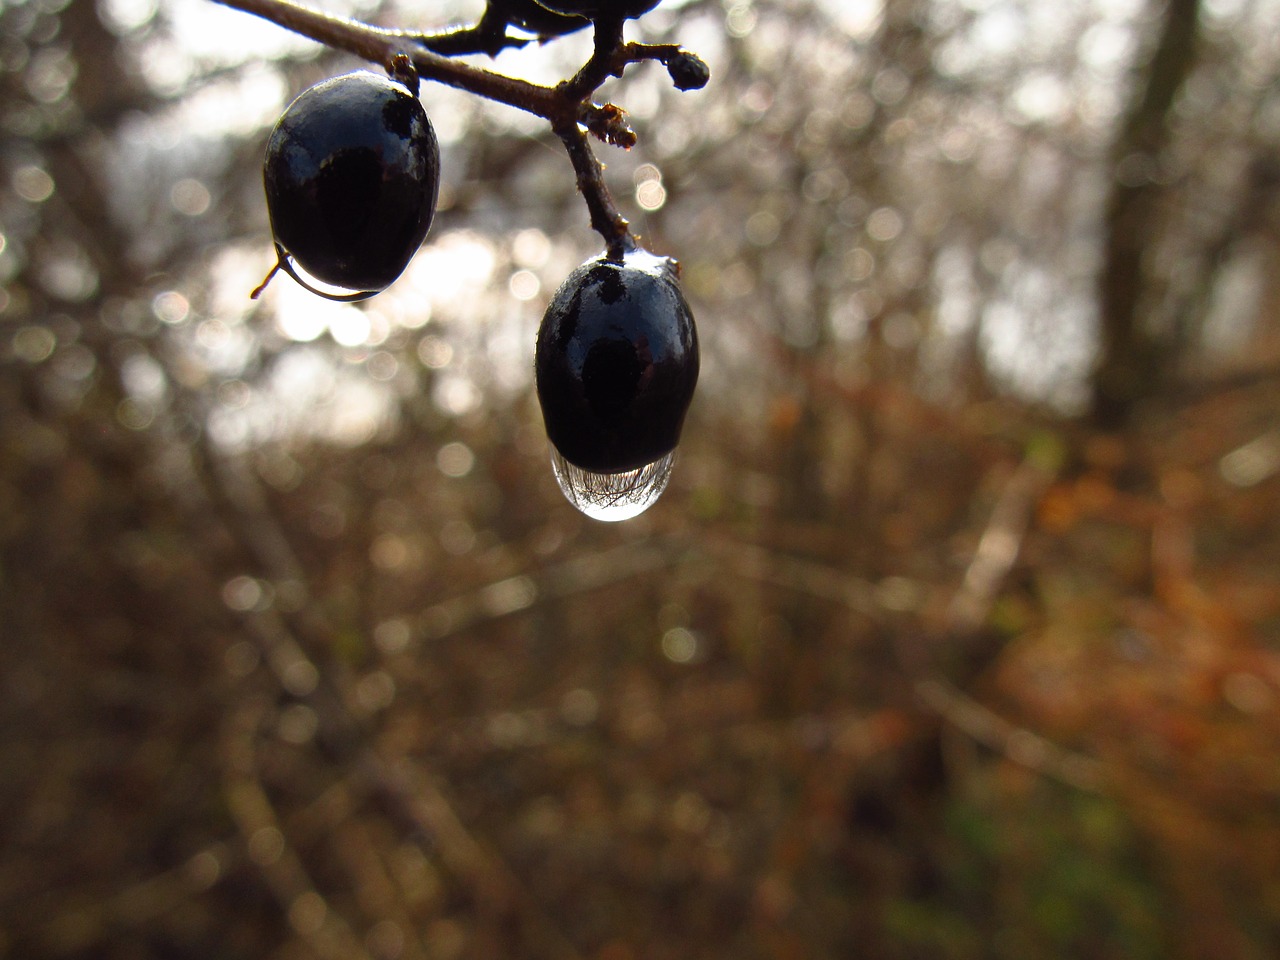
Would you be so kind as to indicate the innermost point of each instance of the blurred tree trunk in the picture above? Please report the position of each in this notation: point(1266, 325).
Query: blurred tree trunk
point(1133, 357)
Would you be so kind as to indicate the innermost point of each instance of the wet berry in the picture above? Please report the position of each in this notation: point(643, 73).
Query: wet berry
point(352, 172)
point(616, 363)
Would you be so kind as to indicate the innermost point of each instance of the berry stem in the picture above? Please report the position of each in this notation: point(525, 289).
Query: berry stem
point(605, 218)
point(598, 69)
point(257, 291)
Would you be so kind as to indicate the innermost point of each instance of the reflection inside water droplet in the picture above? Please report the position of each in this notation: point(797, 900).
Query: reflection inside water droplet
point(612, 496)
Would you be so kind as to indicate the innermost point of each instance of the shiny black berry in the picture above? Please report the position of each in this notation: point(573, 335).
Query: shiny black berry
point(601, 9)
point(352, 173)
point(616, 363)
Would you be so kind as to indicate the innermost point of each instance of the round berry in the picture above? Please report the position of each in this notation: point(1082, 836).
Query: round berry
point(616, 363)
point(352, 173)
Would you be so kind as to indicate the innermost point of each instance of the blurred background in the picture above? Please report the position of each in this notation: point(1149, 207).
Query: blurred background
point(956, 635)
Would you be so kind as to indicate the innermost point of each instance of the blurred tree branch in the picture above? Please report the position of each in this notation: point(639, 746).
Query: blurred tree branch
point(1133, 359)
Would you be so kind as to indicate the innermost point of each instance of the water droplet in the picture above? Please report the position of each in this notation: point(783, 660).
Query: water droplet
point(612, 496)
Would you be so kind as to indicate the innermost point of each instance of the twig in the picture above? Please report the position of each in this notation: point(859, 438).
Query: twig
point(605, 218)
point(522, 592)
point(608, 40)
point(380, 45)
point(98, 921)
point(415, 800)
point(489, 36)
point(997, 549)
point(326, 932)
point(1017, 743)
point(809, 577)
point(421, 801)
point(993, 560)
point(567, 106)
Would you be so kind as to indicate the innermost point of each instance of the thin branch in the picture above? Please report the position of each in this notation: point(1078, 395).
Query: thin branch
point(998, 549)
point(1017, 743)
point(608, 41)
point(521, 592)
point(605, 218)
point(1133, 361)
point(567, 107)
point(326, 931)
point(380, 45)
point(636, 52)
point(808, 577)
point(416, 801)
point(98, 921)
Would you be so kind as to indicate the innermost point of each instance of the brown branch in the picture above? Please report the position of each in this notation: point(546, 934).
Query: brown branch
point(1019, 744)
point(416, 801)
point(90, 922)
point(605, 218)
point(993, 560)
point(997, 550)
point(608, 41)
point(567, 106)
point(380, 45)
point(327, 932)
point(1133, 363)
point(521, 592)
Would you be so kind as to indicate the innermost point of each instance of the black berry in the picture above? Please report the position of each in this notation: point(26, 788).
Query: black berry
point(616, 363)
point(352, 173)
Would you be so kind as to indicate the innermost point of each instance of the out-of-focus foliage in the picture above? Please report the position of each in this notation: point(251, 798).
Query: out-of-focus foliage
point(302, 654)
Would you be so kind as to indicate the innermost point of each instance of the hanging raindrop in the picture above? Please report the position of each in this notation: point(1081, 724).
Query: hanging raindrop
point(612, 496)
